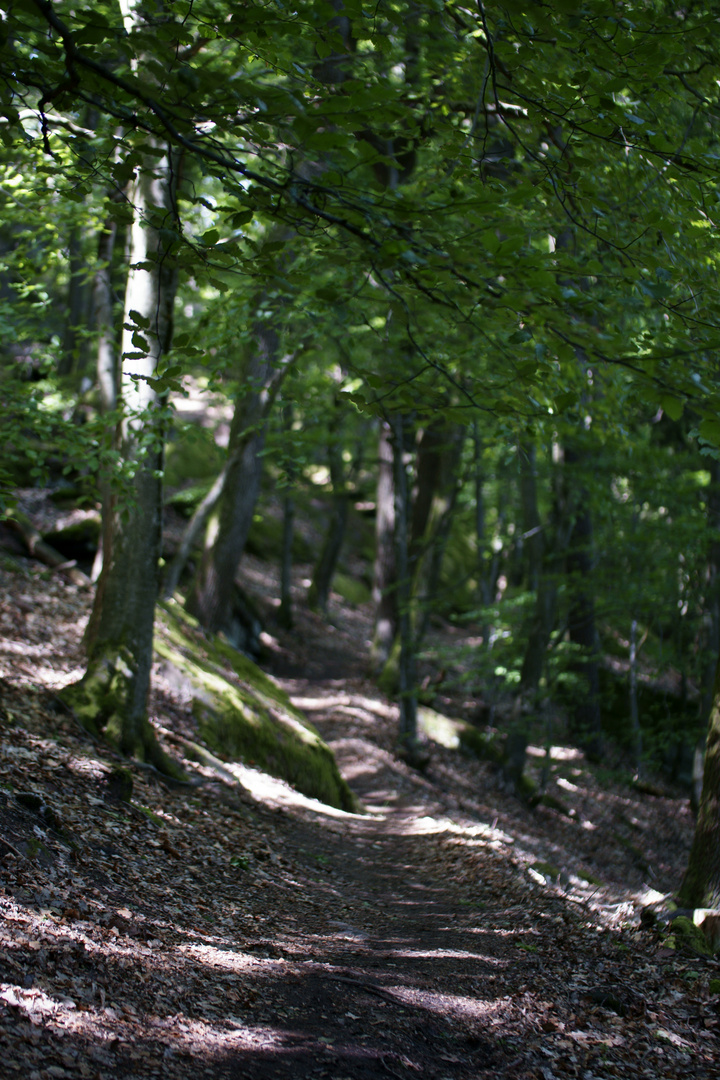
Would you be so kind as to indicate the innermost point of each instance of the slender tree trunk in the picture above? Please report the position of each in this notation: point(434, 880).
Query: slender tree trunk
point(324, 570)
point(532, 527)
point(214, 596)
point(428, 547)
point(407, 681)
point(634, 714)
point(712, 614)
point(192, 533)
point(385, 574)
point(106, 364)
point(112, 696)
point(483, 570)
point(285, 614)
point(77, 308)
point(543, 559)
point(701, 884)
point(586, 719)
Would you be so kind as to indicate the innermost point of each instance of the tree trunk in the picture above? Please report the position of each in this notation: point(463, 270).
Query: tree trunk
point(701, 884)
point(77, 308)
point(634, 713)
point(285, 612)
point(407, 682)
point(586, 719)
point(483, 570)
point(213, 599)
point(106, 364)
point(324, 570)
point(440, 476)
point(543, 567)
point(384, 573)
point(112, 695)
point(532, 529)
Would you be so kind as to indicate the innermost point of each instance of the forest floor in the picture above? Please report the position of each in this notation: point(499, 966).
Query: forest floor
point(242, 930)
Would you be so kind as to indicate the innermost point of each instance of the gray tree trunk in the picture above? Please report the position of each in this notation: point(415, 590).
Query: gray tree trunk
point(384, 572)
point(213, 599)
point(586, 717)
point(112, 696)
point(319, 591)
point(407, 681)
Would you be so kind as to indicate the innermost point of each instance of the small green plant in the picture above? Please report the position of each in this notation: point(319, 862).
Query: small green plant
point(240, 862)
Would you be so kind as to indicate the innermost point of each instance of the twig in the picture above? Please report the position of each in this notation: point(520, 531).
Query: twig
point(371, 988)
point(10, 847)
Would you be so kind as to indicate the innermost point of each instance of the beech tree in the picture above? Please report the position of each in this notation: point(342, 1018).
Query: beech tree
point(508, 127)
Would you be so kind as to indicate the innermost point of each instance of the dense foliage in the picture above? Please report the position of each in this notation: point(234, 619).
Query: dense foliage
point(495, 218)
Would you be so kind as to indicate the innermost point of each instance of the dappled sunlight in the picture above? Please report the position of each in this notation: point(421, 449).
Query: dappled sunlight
point(273, 792)
point(557, 753)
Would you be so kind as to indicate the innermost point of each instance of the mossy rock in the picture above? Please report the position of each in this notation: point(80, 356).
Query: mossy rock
point(459, 735)
point(187, 500)
point(242, 714)
point(441, 729)
point(688, 937)
point(354, 592)
point(549, 871)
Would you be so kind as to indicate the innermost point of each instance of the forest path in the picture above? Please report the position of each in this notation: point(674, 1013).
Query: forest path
point(396, 970)
point(228, 933)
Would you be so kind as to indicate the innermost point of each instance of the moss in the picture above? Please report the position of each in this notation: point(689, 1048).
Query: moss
point(388, 677)
point(714, 986)
point(100, 703)
point(242, 714)
point(685, 935)
point(526, 789)
point(353, 591)
point(547, 870)
point(590, 878)
point(187, 499)
point(158, 821)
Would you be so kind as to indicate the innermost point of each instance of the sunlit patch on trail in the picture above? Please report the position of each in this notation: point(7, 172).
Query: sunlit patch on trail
point(273, 792)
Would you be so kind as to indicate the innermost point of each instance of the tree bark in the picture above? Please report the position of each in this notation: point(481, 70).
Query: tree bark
point(324, 570)
point(213, 596)
point(438, 480)
point(106, 364)
point(701, 884)
point(586, 720)
point(384, 571)
point(112, 695)
point(407, 681)
point(285, 613)
point(544, 556)
point(77, 308)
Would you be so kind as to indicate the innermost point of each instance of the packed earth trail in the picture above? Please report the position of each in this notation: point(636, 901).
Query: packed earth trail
point(237, 930)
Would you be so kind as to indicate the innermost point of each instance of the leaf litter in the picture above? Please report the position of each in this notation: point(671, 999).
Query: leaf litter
point(235, 929)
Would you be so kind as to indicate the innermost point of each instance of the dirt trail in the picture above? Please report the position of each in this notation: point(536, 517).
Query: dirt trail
point(395, 967)
point(251, 933)
point(430, 957)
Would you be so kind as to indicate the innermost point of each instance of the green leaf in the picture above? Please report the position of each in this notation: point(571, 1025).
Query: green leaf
point(672, 406)
point(710, 431)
